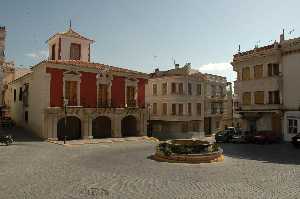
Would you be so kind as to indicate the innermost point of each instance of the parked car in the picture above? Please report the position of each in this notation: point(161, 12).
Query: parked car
point(296, 140)
point(238, 138)
point(225, 136)
point(265, 137)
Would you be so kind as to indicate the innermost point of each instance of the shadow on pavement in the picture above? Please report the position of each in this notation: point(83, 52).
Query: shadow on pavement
point(283, 153)
point(20, 134)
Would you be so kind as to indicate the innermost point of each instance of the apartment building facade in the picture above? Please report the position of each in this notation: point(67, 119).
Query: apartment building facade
point(176, 101)
point(69, 96)
point(266, 85)
point(185, 103)
point(218, 104)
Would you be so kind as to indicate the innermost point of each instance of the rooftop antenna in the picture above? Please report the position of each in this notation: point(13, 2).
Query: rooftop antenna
point(291, 31)
point(173, 60)
point(70, 24)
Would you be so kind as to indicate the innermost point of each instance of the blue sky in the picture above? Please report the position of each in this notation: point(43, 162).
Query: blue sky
point(144, 34)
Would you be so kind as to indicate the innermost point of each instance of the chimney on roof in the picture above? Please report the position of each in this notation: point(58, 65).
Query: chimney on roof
point(176, 66)
point(282, 36)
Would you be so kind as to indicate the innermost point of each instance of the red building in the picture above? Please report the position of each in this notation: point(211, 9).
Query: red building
point(68, 95)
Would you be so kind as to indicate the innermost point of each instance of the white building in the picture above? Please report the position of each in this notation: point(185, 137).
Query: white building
point(267, 87)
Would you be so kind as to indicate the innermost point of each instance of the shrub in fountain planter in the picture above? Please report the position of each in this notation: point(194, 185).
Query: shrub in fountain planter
point(189, 150)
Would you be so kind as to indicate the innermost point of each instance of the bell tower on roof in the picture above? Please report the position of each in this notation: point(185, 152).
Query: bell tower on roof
point(69, 45)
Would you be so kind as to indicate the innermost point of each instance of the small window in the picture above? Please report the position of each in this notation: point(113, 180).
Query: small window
point(20, 94)
point(246, 98)
point(173, 109)
point(164, 88)
point(276, 97)
point(190, 88)
point(259, 97)
point(258, 71)
point(154, 89)
point(15, 95)
point(53, 52)
point(292, 126)
point(189, 108)
point(26, 116)
point(180, 109)
point(154, 111)
point(213, 91)
point(180, 88)
point(276, 69)
point(198, 89)
point(246, 73)
point(75, 51)
point(165, 109)
point(270, 70)
point(271, 97)
point(173, 88)
point(198, 108)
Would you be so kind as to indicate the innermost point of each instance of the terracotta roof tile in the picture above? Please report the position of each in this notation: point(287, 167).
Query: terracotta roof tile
point(91, 65)
point(70, 33)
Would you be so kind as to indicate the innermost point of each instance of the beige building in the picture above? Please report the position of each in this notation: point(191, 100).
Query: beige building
point(218, 104)
point(69, 96)
point(8, 72)
point(267, 87)
point(176, 99)
point(185, 103)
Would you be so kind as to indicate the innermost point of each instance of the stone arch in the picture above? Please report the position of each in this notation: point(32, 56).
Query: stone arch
point(101, 127)
point(129, 126)
point(69, 127)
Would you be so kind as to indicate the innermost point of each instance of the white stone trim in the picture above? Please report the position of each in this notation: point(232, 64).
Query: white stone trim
point(72, 77)
point(105, 79)
point(131, 82)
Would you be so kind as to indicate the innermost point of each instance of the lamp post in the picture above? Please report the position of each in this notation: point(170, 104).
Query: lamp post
point(66, 101)
point(149, 133)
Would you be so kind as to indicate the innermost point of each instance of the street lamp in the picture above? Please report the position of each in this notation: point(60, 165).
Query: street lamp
point(149, 133)
point(66, 101)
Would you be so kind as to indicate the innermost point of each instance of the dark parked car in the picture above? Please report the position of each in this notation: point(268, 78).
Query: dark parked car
point(265, 137)
point(225, 136)
point(296, 140)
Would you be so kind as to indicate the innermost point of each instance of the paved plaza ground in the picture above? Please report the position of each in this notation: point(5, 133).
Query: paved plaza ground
point(35, 169)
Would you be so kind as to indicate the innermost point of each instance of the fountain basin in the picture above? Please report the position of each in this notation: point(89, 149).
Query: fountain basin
point(188, 151)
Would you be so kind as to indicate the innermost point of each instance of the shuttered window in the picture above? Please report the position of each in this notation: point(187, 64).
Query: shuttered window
point(102, 95)
point(246, 73)
point(259, 97)
point(75, 51)
point(258, 71)
point(130, 96)
point(71, 92)
point(247, 98)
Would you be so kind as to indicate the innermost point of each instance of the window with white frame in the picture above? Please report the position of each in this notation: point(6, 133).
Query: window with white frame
point(292, 126)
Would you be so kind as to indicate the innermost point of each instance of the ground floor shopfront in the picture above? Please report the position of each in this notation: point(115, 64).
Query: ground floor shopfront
point(177, 129)
point(291, 124)
point(256, 121)
point(83, 123)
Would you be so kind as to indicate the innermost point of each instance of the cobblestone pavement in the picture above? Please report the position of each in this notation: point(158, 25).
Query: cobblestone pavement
point(34, 169)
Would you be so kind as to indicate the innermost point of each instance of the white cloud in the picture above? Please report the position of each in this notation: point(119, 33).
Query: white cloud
point(42, 54)
point(222, 69)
